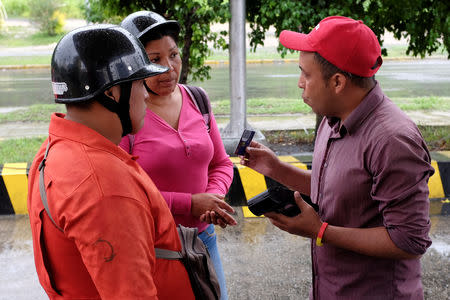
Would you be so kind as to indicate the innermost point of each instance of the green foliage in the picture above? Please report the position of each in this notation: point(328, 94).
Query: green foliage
point(3, 15)
point(426, 23)
point(75, 9)
point(46, 14)
point(19, 150)
point(194, 16)
point(22, 8)
point(17, 8)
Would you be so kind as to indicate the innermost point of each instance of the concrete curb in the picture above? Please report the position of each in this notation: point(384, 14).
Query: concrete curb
point(246, 184)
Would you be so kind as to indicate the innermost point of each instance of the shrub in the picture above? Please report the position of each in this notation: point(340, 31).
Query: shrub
point(45, 13)
point(21, 8)
point(3, 15)
point(17, 8)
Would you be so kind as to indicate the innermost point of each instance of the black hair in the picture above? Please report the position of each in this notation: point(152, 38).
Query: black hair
point(159, 33)
point(83, 105)
point(328, 70)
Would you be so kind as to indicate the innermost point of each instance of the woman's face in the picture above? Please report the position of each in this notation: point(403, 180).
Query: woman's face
point(164, 52)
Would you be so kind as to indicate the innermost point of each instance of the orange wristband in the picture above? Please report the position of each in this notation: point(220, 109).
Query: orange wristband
point(321, 232)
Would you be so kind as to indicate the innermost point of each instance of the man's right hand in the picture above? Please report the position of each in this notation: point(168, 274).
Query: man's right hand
point(260, 158)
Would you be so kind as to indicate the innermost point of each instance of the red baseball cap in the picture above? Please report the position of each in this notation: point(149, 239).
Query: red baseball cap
point(346, 43)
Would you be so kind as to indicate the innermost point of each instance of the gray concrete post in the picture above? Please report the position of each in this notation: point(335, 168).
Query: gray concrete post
point(238, 87)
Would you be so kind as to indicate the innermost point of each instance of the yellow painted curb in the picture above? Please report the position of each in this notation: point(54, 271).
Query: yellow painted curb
point(16, 183)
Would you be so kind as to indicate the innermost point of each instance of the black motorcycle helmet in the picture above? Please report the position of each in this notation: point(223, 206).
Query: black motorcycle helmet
point(89, 60)
point(143, 24)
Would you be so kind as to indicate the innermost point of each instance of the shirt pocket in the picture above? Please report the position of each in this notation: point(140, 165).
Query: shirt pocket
point(42, 264)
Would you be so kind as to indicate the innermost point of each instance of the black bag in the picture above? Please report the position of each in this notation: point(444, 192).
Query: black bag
point(201, 101)
point(198, 264)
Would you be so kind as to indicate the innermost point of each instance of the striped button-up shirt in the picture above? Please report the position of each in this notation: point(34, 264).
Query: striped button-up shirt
point(371, 170)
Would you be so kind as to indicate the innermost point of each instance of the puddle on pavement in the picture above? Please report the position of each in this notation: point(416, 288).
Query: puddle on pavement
point(441, 247)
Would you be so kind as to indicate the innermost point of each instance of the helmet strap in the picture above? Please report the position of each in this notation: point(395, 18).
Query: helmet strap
point(121, 108)
point(148, 89)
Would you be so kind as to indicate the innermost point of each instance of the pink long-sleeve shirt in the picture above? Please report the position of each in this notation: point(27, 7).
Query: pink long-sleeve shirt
point(182, 162)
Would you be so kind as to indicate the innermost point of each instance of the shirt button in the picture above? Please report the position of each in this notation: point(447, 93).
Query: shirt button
point(325, 164)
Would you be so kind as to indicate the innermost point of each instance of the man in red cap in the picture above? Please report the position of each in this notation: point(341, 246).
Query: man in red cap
point(369, 173)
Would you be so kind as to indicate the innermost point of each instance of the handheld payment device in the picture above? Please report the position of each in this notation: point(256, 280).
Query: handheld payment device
point(246, 138)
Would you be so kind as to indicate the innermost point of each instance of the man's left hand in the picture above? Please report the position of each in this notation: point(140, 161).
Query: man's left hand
point(306, 224)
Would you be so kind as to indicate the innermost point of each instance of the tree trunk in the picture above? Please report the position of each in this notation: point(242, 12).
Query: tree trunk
point(185, 67)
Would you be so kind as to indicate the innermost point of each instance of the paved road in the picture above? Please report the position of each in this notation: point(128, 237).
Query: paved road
point(260, 261)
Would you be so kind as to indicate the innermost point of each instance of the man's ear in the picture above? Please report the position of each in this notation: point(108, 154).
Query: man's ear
point(338, 82)
point(113, 93)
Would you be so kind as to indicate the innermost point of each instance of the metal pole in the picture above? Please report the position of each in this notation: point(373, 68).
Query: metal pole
point(238, 85)
point(238, 76)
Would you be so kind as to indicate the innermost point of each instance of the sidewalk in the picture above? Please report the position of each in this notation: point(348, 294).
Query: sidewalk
point(261, 122)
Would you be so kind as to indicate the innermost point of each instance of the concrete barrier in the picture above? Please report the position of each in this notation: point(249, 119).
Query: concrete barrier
point(246, 184)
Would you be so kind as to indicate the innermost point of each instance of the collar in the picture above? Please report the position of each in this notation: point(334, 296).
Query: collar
point(359, 114)
point(61, 128)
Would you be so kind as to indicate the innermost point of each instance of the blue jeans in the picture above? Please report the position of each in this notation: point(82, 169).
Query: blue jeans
point(209, 238)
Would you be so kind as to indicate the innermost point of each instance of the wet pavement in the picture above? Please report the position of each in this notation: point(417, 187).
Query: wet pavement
point(260, 261)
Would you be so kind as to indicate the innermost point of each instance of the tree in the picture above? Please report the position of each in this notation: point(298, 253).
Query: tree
point(425, 23)
point(194, 16)
point(47, 15)
point(3, 15)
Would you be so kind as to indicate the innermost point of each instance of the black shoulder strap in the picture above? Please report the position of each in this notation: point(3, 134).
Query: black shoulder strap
point(160, 253)
point(201, 101)
point(42, 187)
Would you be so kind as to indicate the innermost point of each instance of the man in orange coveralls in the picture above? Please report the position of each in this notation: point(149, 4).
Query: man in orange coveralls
point(105, 216)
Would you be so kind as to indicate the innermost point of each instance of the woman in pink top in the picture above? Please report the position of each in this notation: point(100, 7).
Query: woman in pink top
point(187, 163)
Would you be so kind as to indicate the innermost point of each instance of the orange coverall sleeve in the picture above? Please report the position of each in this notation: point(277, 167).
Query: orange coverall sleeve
point(115, 236)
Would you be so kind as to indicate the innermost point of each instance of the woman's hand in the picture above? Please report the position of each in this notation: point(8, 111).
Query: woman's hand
point(211, 208)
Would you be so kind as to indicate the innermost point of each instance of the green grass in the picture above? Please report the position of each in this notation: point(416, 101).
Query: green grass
point(33, 113)
point(290, 136)
point(15, 37)
point(423, 103)
point(282, 106)
point(260, 53)
point(264, 106)
point(24, 149)
point(25, 60)
point(437, 137)
point(19, 150)
point(258, 106)
point(398, 51)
